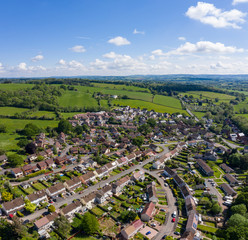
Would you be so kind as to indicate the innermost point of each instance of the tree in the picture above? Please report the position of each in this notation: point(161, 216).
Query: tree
point(7, 196)
point(78, 130)
point(30, 130)
point(15, 160)
point(128, 216)
point(3, 128)
point(30, 207)
point(151, 122)
point(6, 231)
point(145, 129)
point(30, 148)
point(40, 158)
point(51, 208)
point(90, 224)
point(19, 229)
point(216, 208)
point(240, 209)
point(64, 126)
point(237, 220)
point(62, 225)
point(169, 238)
point(138, 141)
point(23, 142)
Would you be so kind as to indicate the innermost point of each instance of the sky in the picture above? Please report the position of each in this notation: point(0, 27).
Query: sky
point(42, 38)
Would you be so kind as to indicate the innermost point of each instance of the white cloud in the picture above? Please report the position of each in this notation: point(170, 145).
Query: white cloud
point(22, 66)
point(37, 58)
point(158, 52)
point(239, 1)
point(78, 49)
point(203, 47)
point(110, 55)
point(135, 31)
point(119, 41)
point(182, 38)
point(62, 62)
point(207, 13)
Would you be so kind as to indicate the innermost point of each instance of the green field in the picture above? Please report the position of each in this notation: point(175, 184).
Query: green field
point(167, 101)
point(211, 95)
point(199, 114)
point(243, 115)
point(69, 115)
point(147, 105)
point(43, 113)
point(10, 111)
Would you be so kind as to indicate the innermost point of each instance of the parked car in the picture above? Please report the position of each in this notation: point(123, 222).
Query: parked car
point(173, 219)
point(149, 232)
point(177, 233)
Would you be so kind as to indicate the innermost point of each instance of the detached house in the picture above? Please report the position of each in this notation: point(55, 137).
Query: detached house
point(138, 176)
point(132, 229)
point(16, 172)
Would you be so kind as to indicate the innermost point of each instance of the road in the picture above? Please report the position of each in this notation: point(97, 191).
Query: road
point(231, 145)
point(168, 226)
point(95, 187)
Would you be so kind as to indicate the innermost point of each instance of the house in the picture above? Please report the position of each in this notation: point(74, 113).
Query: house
point(60, 160)
point(61, 137)
point(190, 204)
point(159, 164)
point(73, 184)
point(192, 222)
point(148, 152)
point(169, 172)
point(111, 165)
point(155, 148)
point(179, 181)
point(88, 200)
point(50, 163)
point(25, 185)
point(204, 167)
point(13, 206)
point(37, 197)
point(210, 155)
point(55, 190)
point(16, 172)
point(226, 168)
point(43, 224)
point(102, 172)
point(131, 157)
point(138, 176)
point(151, 192)
point(103, 193)
point(32, 157)
point(132, 229)
point(148, 212)
point(42, 165)
point(234, 137)
point(120, 184)
point(71, 209)
point(185, 191)
point(231, 179)
point(28, 169)
point(192, 143)
point(88, 177)
point(3, 158)
point(228, 190)
point(122, 161)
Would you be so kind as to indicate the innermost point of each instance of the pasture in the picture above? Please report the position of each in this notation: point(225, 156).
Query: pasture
point(211, 95)
point(10, 111)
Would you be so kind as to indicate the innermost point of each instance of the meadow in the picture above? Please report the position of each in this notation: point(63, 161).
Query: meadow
point(10, 111)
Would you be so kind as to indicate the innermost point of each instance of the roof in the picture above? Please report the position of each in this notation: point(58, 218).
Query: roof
point(41, 222)
point(204, 166)
point(151, 190)
point(89, 197)
point(190, 204)
point(192, 221)
point(88, 175)
point(35, 196)
point(169, 171)
point(122, 180)
point(3, 157)
point(16, 170)
point(69, 208)
point(226, 168)
point(230, 178)
point(178, 180)
point(149, 208)
point(185, 191)
point(49, 161)
point(227, 189)
point(18, 202)
point(187, 235)
point(56, 188)
point(74, 181)
point(52, 216)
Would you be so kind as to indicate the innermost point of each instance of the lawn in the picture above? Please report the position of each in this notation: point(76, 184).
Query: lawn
point(207, 228)
point(211, 224)
point(199, 114)
point(8, 141)
point(217, 171)
point(19, 191)
point(38, 186)
point(97, 211)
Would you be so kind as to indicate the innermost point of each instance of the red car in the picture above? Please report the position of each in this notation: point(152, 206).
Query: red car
point(173, 219)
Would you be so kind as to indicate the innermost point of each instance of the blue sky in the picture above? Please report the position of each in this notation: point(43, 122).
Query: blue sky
point(122, 37)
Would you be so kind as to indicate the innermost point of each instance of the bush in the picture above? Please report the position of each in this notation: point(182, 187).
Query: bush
point(19, 214)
